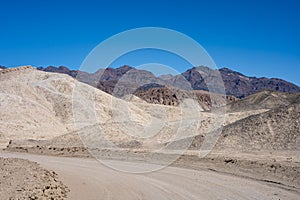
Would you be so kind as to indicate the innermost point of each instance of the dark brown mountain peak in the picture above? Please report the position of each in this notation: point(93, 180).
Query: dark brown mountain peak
point(115, 73)
point(125, 68)
point(228, 71)
point(63, 68)
point(235, 83)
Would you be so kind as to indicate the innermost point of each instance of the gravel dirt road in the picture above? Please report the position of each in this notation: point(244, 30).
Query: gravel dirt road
point(89, 179)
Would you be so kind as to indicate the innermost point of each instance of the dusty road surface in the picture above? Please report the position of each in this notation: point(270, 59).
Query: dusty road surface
point(89, 179)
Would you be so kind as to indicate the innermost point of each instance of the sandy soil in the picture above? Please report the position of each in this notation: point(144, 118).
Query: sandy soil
point(88, 179)
point(279, 167)
point(23, 179)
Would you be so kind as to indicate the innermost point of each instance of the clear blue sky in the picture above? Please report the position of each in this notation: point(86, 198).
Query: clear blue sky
point(260, 38)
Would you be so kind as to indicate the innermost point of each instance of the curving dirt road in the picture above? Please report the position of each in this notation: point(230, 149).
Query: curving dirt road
point(88, 179)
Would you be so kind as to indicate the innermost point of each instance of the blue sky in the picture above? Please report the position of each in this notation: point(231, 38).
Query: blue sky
point(258, 38)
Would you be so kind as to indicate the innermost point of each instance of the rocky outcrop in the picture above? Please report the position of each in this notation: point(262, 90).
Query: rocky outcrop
point(160, 94)
point(8, 70)
point(23, 179)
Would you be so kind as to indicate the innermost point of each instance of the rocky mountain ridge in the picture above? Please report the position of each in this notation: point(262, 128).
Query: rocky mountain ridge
point(126, 79)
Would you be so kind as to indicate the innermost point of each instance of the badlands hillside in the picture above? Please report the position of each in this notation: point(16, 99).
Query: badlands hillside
point(266, 99)
point(37, 105)
point(275, 128)
point(55, 114)
point(34, 105)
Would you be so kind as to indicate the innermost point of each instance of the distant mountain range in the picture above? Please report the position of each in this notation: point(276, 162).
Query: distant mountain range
point(126, 80)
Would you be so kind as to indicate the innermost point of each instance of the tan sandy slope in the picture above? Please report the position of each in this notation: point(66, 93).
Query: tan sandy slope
point(39, 105)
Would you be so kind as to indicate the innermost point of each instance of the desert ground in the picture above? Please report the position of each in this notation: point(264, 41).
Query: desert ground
point(54, 146)
point(88, 179)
